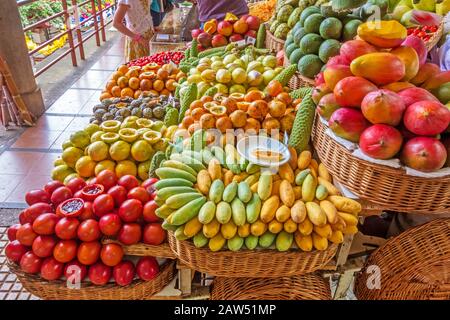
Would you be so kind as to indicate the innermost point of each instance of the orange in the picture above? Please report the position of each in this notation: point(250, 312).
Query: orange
point(105, 95)
point(158, 85)
point(132, 73)
point(162, 74)
point(170, 85)
point(133, 83)
point(127, 92)
point(115, 91)
point(145, 84)
point(253, 96)
point(126, 167)
point(116, 75)
point(122, 82)
point(123, 69)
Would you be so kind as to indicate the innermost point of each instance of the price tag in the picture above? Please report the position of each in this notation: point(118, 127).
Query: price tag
point(250, 40)
point(162, 37)
point(240, 43)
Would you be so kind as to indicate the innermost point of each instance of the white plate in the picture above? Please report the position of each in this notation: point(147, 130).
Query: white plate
point(248, 144)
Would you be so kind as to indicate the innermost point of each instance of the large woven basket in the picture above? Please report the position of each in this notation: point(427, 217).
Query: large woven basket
point(413, 266)
point(57, 290)
point(306, 287)
point(434, 40)
point(272, 43)
point(250, 263)
point(140, 249)
point(391, 188)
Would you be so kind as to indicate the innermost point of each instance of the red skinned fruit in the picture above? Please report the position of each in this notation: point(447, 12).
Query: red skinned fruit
point(327, 105)
point(36, 210)
point(52, 186)
point(131, 210)
point(424, 154)
point(12, 231)
point(147, 268)
point(103, 204)
point(88, 230)
point(66, 228)
point(128, 182)
point(153, 234)
point(319, 91)
point(149, 212)
point(107, 178)
point(99, 274)
point(383, 106)
point(123, 273)
point(76, 184)
point(426, 118)
point(70, 208)
point(36, 196)
point(338, 60)
point(111, 254)
point(92, 191)
point(110, 224)
point(335, 73)
point(26, 235)
point(139, 193)
point(15, 250)
point(353, 49)
point(60, 195)
point(413, 95)
point(348, 123)
point(65, 250)
point(419, 46)
point(43, 246)
point(130, 233)
point(88, 212)
point(381, 141)
point(30, 263)
point(350, 92)
point(89, 252)
point(45, 223)
point(119, 194)
point(51, 269)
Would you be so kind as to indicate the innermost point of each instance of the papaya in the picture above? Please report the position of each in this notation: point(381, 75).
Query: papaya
point(191, 162)
point(410, 59)
point(398, 86)
point(207, 212)
point(217, 242)
point(178, 165)
point(304, 242)
point(244, 231)
point(368, 67)
point(200, 240)
point(238, 212)
point(230, 192)
point(216, 191)
point(244, 192)
point(275, 226)
point(179, 233)
point(437, 80)
point(284, 241)
point(265, 185)
point(192, 227)
point(426, 71)
point(269, 209)
point(228, 230)
point(164, 211)
point(383, 34)
point(165, 193)
point(286, 173)
point(267, 239)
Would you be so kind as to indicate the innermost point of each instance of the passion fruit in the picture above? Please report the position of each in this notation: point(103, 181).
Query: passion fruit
point(141, 151)
point(152, 136)
point(97, 136)
point(144, 123)
point(218, 111)
point(157, 126)
point(239, 97)
point(110, 126)
point(110, 137)
point(209, 105)
point(128, 134)
point(70, 208)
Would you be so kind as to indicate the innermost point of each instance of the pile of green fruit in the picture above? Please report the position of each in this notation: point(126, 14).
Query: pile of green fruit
point(148, 107)
point(317, 37)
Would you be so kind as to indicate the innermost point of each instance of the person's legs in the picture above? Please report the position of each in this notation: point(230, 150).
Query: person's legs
point(157, 17)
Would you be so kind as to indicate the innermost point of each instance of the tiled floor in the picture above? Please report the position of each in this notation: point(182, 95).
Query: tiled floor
point(27, 163)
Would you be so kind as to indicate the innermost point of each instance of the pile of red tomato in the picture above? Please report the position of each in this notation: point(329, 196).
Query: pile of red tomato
point(159, 58)
point(63, 226)
point(423, 32)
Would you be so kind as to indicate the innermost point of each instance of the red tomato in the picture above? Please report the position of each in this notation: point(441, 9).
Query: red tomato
point(61, 194)
point(43, 246)
point(23, 219)
point(139, 193)
point(99, 274)
point(89, 252)
point(12, 231)
point(123, 273)
point(149, 212)
point(65, 250)
point(15, 250)
point(128, 182)
point(76, 184)
point(147, 268)
point(130, 233)
point(119, 195)
point(110, 224)
point(111, 254)
point(88, 230)
point(45, 223)
point(36, 210)
point(30, 263)
point(154, 234)
point(66, 228)
point(75, 269)
point(26, 235)
point(107, 178)
point(103, 204)
point(130, 210)
point(88, 212)
point(52, 186)
point(149, 185)
point(51, 269)
point(36, 196)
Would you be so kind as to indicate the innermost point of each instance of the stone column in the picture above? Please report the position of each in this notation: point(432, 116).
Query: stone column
point(14, 50)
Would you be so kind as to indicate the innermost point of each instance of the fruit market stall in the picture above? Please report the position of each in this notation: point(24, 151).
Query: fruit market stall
point(254, 167)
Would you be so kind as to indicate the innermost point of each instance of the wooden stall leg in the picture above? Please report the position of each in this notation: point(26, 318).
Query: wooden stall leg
point(344, 283)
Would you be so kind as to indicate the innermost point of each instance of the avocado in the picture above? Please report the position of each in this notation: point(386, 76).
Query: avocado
point(331, 28)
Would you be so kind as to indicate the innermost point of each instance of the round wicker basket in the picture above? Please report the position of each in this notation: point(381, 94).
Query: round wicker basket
point(57, 290)
point(306, 287)
point(250, 263)
point(413, 266)
point(391, 188)
point(140, 249)
point(272, 43)
point(430, 44)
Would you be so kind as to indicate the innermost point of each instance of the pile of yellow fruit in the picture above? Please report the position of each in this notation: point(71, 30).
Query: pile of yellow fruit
point(263, 9)
point(125, 148)
point(149, 79)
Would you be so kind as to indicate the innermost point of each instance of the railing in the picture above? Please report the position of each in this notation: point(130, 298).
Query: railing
point(76, 38)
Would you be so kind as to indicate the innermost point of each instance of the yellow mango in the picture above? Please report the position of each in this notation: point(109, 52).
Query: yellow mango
point(287, 195)
point(203, 181)
point(304, 159)
point(286, 173)
point(283, 213)
point(330, 210)
point(309, 188)
point(298, 192)
point(269, 208)
point(320, 243)
point(293, 160)
point(316, 214)
point(324, 231)
point(350, 230)
point(336, 237)
point(276, 188)
point(345, 204)
point(214, 169)
point(254, 187)
point(192, 227)
point(228, 177)
point(240, 177)
point(332, 190)
point(305, 243)
point(258, 228)
point(350, 220)
point(290, 226)
point(275, 226)
point(298, 211)
point(323, 172)
point(306, 227)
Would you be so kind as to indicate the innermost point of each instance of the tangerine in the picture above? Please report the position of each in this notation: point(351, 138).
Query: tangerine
point(127, 92)
point(115, 91)
point(116, 75)
point(110, 84)
point(122, 82)
point(133, 83)
point(158, 85)
point(170, 85)
point(123, 69)
point(85, 167)
point(230, 104)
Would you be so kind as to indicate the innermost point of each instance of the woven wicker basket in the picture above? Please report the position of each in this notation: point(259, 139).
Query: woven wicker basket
point(298, 81)
point(272, 43)
point(250, 263)
point(430, 44)
point(414, 266)
point(57, 290)
point(388, 187)
point(140, 249)
point(306, 287)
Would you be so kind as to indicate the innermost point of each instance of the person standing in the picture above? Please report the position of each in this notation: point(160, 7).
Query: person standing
point(138, 27)
point(217, 9)
point(159, 9)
